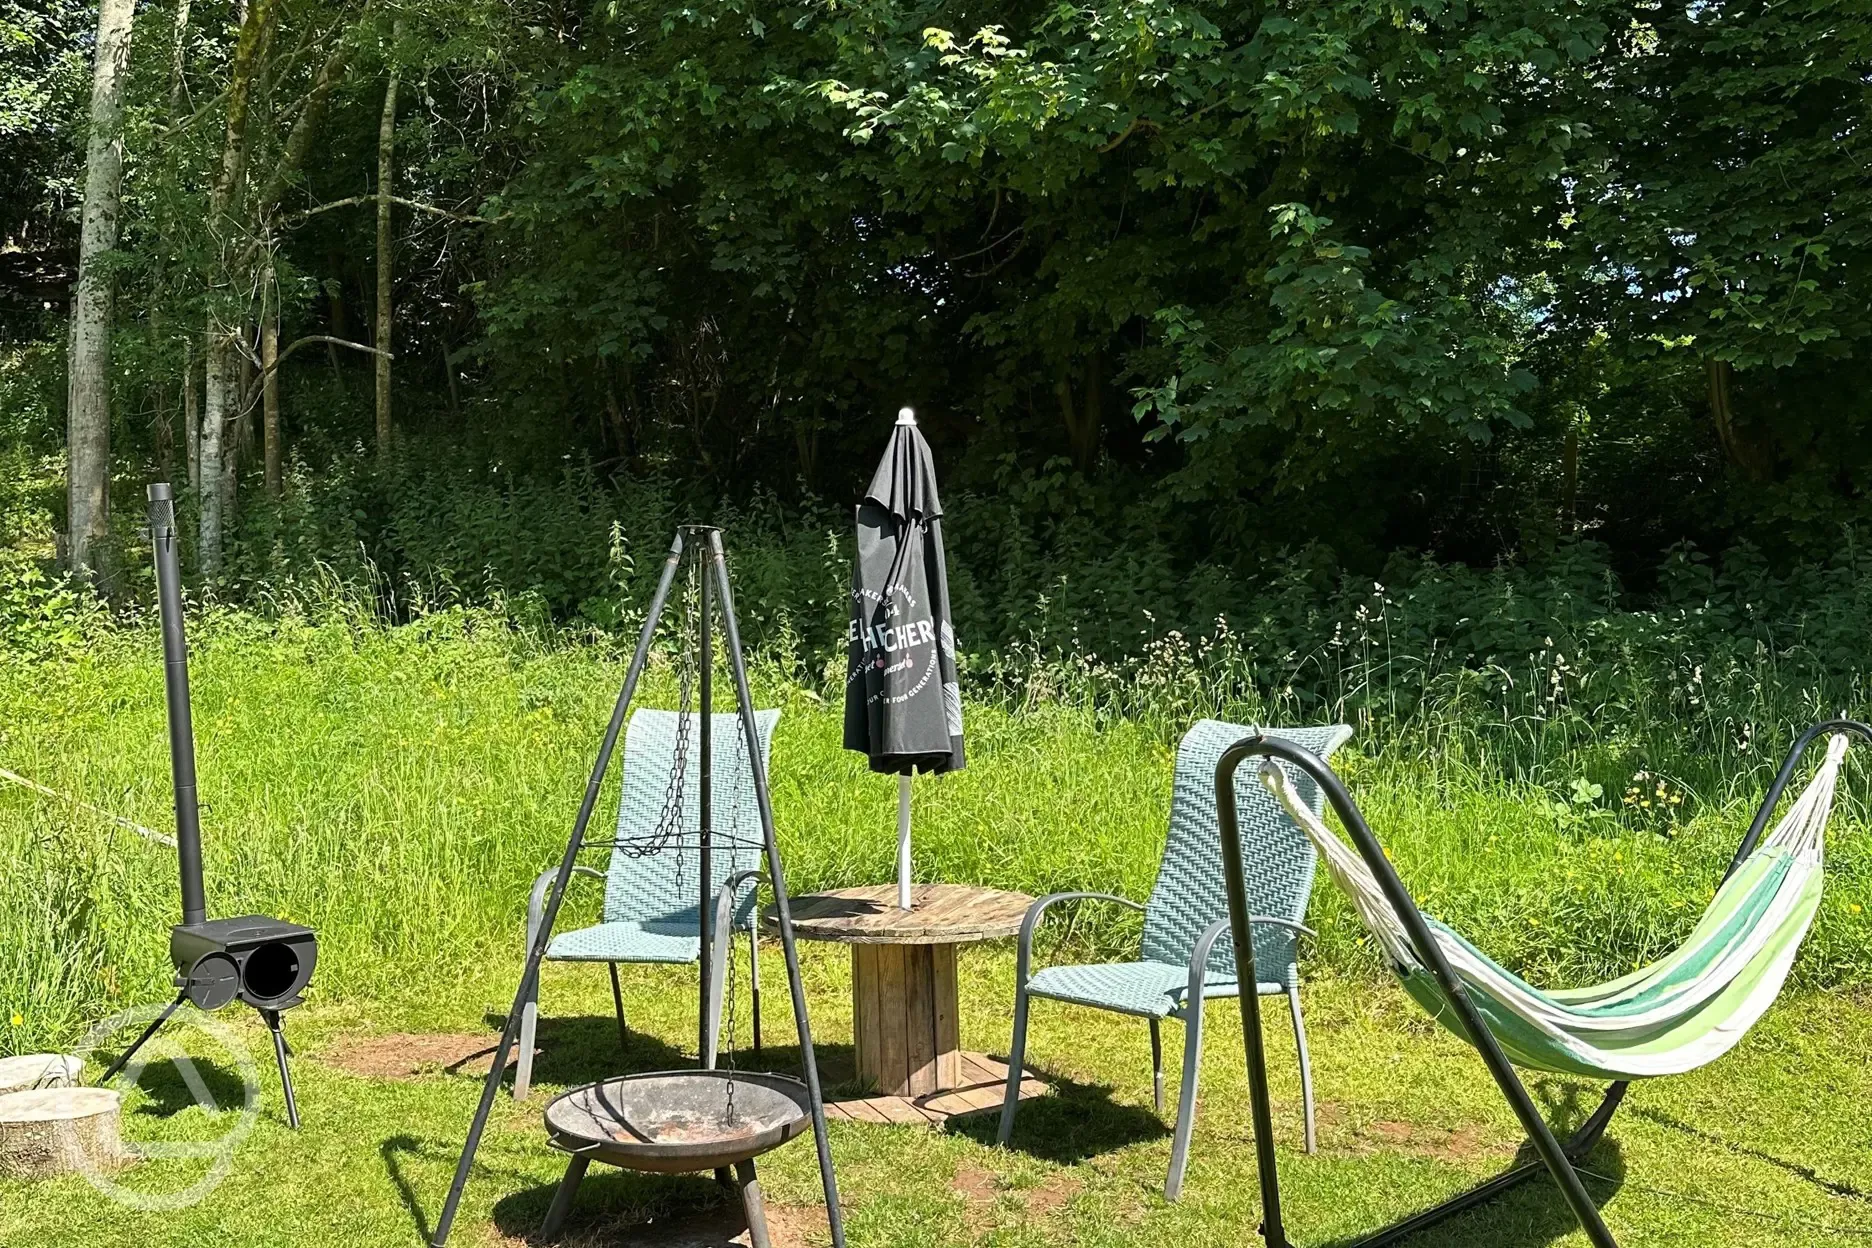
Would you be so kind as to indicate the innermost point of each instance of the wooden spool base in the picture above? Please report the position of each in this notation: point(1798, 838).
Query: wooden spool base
point(982, 1088)
point(58, 1130)
point(904, 1018)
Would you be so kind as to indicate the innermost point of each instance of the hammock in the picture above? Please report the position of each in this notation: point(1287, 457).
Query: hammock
point(1665, 1019)
point(1673, 1016)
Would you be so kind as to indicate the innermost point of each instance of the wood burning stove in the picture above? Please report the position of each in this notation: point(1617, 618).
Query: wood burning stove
point(264, 962)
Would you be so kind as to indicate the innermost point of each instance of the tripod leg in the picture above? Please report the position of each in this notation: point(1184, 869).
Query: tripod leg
point(279, 1055)
point(754, 1205)
point(445, 1220)
point(562, 1199)
point(152, 1029)
point(776, 877)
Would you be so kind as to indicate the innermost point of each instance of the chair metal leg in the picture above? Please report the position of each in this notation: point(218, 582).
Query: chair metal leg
point(529, 1027)
point(1017, 1057)
point(712, 1018)
point(562, 1199)
point(753, 957)
point(1186, 1103)
point(617, 1001)
point(1306, 1067)
point(1156, 1027)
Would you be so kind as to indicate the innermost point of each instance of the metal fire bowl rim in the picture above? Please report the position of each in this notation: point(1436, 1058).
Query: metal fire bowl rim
point(781, 1099)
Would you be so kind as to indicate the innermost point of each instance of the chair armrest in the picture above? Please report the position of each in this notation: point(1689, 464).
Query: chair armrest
point(536, 903)
point(1034, 912)
point(1199, 955)
point(724, 896)
point(1299, 929)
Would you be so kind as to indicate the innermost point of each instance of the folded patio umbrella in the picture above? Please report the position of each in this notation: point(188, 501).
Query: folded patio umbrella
point(903, 706)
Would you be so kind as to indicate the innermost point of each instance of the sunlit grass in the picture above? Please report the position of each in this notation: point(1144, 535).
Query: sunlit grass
point(397, 789)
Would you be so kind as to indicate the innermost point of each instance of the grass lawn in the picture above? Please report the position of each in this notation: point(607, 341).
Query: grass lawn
point(1767, 1146)
point(397, 789)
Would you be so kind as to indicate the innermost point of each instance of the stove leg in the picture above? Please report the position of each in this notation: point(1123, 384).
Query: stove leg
point(754, 1204)
point(279, 1055)
point(154, 1027)
point(562, 1199)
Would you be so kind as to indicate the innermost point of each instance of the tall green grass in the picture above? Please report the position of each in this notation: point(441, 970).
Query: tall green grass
point(398, 787)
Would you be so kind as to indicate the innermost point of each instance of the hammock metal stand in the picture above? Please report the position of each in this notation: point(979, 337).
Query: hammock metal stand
point(1558, 1159)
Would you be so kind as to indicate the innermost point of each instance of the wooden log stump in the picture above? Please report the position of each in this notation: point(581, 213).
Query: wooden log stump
point(38, 1070)
point(58, 1130)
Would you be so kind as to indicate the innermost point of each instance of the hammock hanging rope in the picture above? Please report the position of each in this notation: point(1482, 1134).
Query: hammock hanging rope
point(1668, 1018)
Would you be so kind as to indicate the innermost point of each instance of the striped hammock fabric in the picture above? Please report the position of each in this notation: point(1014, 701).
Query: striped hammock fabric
point(1670, 1017)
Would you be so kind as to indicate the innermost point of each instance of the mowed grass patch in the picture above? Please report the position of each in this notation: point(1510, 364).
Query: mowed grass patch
point(1762, 1148)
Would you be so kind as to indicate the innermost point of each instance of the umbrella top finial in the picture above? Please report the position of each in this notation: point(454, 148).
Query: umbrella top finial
point(906, 416)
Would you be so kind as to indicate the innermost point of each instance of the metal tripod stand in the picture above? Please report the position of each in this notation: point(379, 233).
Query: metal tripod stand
point(707, 551)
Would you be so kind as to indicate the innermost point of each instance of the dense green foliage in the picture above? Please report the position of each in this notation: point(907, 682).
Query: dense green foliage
point(1206, 281)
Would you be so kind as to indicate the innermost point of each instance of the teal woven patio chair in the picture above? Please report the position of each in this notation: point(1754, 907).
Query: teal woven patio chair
point(1187, 957)
point(651, 900)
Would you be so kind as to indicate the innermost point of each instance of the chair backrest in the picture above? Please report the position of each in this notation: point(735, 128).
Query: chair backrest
point(662, 889)
point(1278, 860)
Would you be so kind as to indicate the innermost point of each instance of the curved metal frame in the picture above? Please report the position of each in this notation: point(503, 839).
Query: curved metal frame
point(1558, 1159)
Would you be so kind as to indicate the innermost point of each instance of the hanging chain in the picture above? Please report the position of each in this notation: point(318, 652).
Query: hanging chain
point(742, 768)
point(669, 824)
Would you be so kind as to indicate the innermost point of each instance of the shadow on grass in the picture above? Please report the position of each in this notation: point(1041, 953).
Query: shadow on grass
point(1530, 1215)
point(1533, 1212)
point(183, 1082)
point(1078, 1121)
point(399, 1152)
point(677, 1210)
point(1799, 1170)
point(581, 1050)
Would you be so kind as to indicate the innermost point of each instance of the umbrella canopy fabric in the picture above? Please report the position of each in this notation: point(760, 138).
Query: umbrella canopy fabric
point(903, 706)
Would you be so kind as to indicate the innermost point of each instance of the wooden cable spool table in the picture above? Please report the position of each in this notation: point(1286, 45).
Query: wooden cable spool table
point(904, 998)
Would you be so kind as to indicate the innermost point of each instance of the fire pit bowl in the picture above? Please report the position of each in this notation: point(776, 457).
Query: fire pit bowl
point(672, 1122)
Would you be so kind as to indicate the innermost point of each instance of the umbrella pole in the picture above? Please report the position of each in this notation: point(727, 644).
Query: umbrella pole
point(903, 841)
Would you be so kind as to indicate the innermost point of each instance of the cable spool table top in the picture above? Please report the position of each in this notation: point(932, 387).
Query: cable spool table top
point(940, 914)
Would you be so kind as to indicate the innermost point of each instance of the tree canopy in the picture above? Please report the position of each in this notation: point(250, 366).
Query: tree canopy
point(1456, 277)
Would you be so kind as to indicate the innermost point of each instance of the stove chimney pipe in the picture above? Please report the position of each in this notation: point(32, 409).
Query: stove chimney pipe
point(176, 689)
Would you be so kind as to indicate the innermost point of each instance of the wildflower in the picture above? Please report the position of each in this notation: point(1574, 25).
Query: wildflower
point(1852, 907)
point(20, 1021)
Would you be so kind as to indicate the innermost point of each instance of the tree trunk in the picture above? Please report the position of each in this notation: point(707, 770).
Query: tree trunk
point(177, 60)
point(1755, 461)
point(88, 395)
point(386, 145)
point(1082, 419)
point(269, 389)
point(224, 214)
point(191, 418)
point(215, 418)
point(242, 452)
point(1569, 471)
